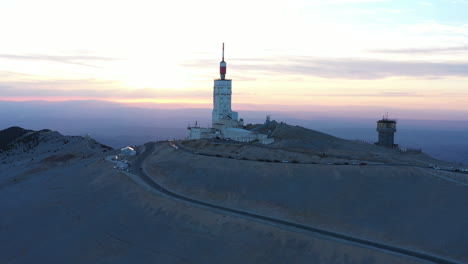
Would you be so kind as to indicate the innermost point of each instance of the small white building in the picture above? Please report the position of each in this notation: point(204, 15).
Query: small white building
point(127, 151)
point(201, 133)
point(243, 135)
point(229, 133)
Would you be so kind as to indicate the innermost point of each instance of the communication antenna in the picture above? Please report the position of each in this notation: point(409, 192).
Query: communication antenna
point(222, 66)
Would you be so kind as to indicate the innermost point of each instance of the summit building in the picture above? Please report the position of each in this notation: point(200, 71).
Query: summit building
point(225, 122)
point(223, 116)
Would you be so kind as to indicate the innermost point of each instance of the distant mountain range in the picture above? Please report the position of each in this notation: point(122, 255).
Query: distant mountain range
point(118, 125)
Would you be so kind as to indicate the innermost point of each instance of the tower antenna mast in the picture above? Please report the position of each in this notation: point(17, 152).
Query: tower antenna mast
point(222, 67)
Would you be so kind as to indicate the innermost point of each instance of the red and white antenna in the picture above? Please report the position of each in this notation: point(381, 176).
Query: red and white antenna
point(222, 67)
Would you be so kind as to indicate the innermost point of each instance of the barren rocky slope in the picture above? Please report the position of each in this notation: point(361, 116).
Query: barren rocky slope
point(386, 196)
point(63, 203)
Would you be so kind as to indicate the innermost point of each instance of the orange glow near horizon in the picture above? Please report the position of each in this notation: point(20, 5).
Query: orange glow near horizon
point(160, 101)
point(285, 102)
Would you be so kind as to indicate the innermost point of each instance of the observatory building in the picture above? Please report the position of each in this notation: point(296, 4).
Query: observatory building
point(223, 116)
point(225, 122)
point(386, 128)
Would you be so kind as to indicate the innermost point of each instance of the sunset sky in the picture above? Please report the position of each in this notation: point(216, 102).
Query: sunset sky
point(293, 55)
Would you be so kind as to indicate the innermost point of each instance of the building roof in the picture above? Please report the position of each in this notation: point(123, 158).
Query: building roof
point(234, 129)
point(385, 120)
point(127, 148)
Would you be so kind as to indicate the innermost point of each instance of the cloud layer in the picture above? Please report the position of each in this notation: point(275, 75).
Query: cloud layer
point(347, 68)
point(423, 50)
point(75, 60)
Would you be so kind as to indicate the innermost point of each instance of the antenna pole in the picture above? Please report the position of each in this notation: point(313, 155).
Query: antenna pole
point(222, 67)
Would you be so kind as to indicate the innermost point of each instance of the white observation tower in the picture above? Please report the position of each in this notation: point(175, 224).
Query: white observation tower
point(225, 122)
point(222, 115)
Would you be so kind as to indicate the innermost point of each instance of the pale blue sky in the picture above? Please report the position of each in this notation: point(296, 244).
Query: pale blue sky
point(284, 52)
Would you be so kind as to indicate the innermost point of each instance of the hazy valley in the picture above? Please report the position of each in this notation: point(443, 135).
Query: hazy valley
point(119, 125)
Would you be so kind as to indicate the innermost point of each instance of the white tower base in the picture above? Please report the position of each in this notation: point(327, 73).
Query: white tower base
point(222, 115)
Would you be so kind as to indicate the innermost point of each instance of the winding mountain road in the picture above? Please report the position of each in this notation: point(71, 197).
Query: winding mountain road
point(139, 170)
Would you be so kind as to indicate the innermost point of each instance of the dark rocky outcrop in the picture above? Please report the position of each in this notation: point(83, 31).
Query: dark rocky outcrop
point(9, 135)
